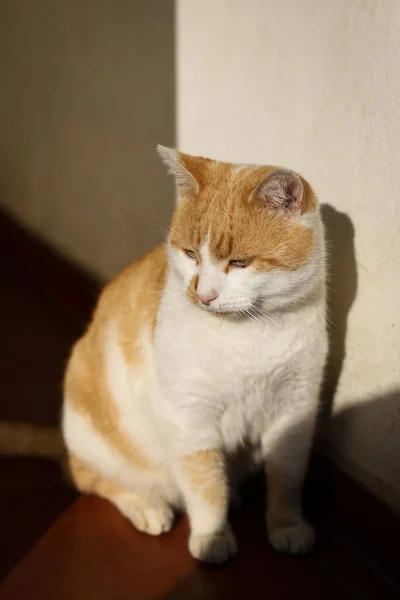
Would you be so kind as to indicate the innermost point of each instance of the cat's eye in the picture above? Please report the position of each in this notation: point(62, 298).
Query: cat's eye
point(190, 253)
point(241, 264)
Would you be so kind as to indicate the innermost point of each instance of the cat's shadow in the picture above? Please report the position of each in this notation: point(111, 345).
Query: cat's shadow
point(342, 289)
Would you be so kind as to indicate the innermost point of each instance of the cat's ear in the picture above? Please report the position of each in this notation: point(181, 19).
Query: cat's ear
point(281, 190)
point(182, 167)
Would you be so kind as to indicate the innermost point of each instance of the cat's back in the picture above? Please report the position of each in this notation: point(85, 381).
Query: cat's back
point(135, 291)
point(127, 306)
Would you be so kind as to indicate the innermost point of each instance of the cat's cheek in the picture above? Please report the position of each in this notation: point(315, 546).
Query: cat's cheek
point(243, 287)
point(185, 267)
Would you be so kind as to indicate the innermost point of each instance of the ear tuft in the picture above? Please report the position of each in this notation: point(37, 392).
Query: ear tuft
point(173, 161)
point(282, 190)
point(169, 156)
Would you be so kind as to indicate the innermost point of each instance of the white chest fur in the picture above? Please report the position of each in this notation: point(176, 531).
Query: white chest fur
point(219, 380)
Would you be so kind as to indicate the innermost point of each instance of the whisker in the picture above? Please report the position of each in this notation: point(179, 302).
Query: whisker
point(168, 221)
point(250, 316)
point(263, 313)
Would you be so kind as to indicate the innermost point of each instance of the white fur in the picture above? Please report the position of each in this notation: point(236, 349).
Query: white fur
point(83, 440)
point(136, 419)
point(131, 394)
point(145, 502)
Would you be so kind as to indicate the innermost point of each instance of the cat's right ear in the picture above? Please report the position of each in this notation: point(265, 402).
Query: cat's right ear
point(184, 168)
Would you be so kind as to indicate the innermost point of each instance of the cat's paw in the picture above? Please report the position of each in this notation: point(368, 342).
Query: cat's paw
point(153, 520)
point(298, 538)
point(157, 520)
point(214, 549)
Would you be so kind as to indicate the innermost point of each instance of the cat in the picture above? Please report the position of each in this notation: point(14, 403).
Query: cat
point(210, 347)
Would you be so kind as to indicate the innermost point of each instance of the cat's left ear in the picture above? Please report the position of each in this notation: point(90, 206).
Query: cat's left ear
point(282, 190)
point(187, 170)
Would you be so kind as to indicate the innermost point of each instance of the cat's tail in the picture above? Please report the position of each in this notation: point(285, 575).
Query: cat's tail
point(27, 439)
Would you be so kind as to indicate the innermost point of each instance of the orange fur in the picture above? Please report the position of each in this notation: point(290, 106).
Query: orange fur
point(191, 290)
point(205, 474)
point(27, 439)
point(89, 481)
point(130, 300)
point(239, 227)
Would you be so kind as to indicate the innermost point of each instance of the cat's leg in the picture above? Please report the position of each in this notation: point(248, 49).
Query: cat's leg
point(150, 515)
point(204, 483)
point(286, 449)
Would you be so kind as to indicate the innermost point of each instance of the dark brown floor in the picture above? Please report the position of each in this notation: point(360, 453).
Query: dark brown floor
point(34, 343)
point(92, 552)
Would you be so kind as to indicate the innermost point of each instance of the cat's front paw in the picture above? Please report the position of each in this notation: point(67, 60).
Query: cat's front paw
point(214, 549)
point(298, 538)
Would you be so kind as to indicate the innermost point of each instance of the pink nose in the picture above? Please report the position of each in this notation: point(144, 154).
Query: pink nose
point(207, 297)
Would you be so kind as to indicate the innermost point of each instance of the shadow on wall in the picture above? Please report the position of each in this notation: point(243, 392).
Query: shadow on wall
point(369, 433)
point(342, 289)
point(88, 90)
point(364, 436)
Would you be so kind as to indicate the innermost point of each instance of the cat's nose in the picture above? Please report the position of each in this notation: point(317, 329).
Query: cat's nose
point(207, 297)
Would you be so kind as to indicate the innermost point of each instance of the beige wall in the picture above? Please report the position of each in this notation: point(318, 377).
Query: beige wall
point(87, 90)
point(315, 85)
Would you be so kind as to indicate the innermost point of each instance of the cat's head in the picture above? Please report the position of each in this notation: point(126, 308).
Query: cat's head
point(242, 237)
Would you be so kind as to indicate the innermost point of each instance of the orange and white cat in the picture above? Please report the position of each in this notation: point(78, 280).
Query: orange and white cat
point(204, 360)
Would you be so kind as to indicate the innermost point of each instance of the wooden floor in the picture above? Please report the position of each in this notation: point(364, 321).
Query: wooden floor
point(35, 338)
point(88, 550)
